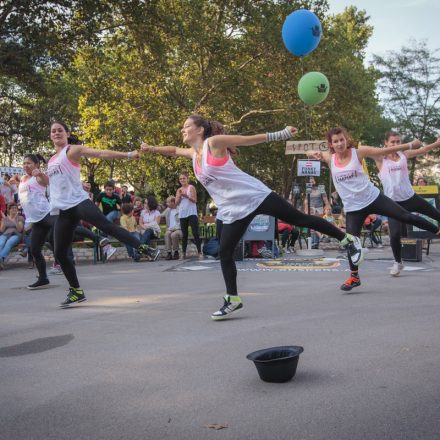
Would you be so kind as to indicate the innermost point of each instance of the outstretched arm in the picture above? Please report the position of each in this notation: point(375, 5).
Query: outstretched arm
point(423, 150)
point(323, 156)
point(374, 152)
point(220, 143)
point(77, 151)
point(167, 151)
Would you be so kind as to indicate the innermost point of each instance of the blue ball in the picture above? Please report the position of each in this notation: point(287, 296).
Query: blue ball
point(301, 32)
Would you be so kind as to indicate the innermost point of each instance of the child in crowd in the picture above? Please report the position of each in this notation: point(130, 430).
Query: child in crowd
point(109, 201)
point(128, 222)
point(173, 233)
point(137, 208)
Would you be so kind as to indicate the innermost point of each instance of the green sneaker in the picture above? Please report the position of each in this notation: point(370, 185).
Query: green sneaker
point(75, 295)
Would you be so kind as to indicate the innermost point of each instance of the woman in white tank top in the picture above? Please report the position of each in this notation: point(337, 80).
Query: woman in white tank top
point(239, 196)
point(393, 173)
point(68, 198)
point(359, 196)
point(32, 196)
point(186, 200)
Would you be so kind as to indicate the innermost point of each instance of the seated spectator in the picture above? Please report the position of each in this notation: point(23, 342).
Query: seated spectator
point(137, 208)
point(2, 204)
point(385, 226)
point(87, 186)
point(128, 222)
point(173, 232)
point(373, 222)
point(341, 221)
point(110, 202)
point(289, 235)
point(149, 221)
point(125, 195)
point(421, 181)
point(26, 251)
point(5, 189)
point(11, 228)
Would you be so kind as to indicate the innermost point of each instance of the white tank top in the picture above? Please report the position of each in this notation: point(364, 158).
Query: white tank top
point(65, 187)
point(235, 193)
point(186, 207)
point(33, 200)
point(395, 178)
point(352, 184)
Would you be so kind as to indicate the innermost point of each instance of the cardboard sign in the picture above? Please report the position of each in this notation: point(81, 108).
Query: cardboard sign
point(304, 147)
point(309, 168)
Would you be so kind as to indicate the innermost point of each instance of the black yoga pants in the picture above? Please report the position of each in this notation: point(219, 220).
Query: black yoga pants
point(192, 221)
point(277, 207)
point(383, 205)
point(398, 229)
point(64, 231)
point(41, 231)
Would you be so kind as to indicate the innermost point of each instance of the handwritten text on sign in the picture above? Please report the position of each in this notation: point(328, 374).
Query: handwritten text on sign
point(303, 147)
point(309, 168)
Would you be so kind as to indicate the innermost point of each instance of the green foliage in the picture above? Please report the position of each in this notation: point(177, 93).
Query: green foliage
point(136, 70)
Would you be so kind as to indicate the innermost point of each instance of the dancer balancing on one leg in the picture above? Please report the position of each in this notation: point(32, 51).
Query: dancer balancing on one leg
point(239, 196)
point(69, 198)
point(393, 173)
point(36, 207)
point(359, 196)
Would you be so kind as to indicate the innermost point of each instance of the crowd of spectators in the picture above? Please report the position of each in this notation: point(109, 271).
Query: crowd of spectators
point(143, 217)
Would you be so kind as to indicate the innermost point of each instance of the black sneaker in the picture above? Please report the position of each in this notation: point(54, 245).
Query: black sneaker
point(350, 283)
point(74, 296)
point(354, 249)
point(152, 253)
point(176, 255)
point(169, 256)
point(231, 304)
point(40, 284)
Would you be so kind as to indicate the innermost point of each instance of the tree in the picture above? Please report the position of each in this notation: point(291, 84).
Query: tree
point(410, 83)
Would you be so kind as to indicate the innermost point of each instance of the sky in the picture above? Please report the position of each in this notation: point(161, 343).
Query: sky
point(396, 22)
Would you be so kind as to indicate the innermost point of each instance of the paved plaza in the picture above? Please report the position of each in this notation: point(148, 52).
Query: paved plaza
point(141, 359)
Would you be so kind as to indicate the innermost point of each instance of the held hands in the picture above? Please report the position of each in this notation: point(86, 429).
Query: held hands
point(317, 155)
point(416, 144)
point(145, 148)
point(133, 155)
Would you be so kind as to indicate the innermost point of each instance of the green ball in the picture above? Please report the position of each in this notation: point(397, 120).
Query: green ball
point(313, 88)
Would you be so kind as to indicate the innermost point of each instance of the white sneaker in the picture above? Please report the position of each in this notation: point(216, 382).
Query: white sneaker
point(287, 250)
point(354, 247)
point(231, 304)
point(109, 251)
point(55, 270)
point(395, 270)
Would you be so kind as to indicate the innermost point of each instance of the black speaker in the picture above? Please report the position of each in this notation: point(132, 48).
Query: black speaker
point(411, 249)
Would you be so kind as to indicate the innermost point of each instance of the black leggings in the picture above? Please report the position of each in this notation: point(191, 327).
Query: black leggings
point(42, 232)
point(383, 205)
point(277, 207)
point(64, 231)
point(192, 221)
point(398, 229)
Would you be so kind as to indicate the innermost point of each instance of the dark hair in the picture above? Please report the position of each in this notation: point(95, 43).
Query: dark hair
point(210, 128)
point(71, 139)
point(184, 173)
point(11, 205)
point(390, 133)
point(339, 130)
point(152, 203)
point(109, 183)
point(35, 158)
point(126, 208)
point(422, 178)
